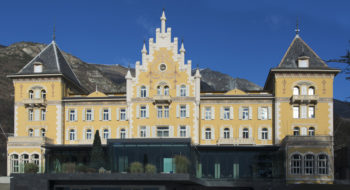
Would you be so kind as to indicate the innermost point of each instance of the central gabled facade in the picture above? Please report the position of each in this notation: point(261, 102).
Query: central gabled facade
point(291, 118)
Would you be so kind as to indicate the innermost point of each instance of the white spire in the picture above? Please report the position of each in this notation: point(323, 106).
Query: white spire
point(182, 49)
point(128, 75)
point(197, 74)
point(144, 50)
point(163, 19)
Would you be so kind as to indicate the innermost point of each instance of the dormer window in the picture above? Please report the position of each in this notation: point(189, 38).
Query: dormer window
point(303, 62)
point(38, 67)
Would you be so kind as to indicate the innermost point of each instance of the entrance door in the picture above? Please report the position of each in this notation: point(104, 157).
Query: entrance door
point(168, 165)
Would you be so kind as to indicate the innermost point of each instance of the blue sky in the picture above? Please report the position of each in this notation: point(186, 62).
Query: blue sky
point(240, 38)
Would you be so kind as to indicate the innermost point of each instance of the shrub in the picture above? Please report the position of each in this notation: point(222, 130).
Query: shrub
point(151, 169)
point(31, 168)
point(136, 167)
point(181, 164)
point(81, 168)
point(68, 167)
point(91, 170)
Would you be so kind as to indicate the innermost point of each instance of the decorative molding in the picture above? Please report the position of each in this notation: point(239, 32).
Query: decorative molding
point(59, 127)
point(330, 118)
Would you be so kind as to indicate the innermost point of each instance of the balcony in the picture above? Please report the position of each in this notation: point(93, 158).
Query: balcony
point(28, 141)
point(236, 141)
point(308, 140)
point(35, 102)
point(161, 99)
point(304, 99)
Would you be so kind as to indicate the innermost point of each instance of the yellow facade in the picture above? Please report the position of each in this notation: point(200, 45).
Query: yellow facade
point(163, 100)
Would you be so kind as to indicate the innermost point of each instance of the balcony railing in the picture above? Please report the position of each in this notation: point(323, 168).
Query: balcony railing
point(236, 141)
point(162, 99)
point(304, 98)
point(29, 141)
point(35, 102)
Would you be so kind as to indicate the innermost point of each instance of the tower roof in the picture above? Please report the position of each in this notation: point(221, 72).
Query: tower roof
point(298, 48)
point(53, 62)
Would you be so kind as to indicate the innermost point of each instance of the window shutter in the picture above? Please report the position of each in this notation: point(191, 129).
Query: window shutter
point(303, 90)
point(117, 113)
point(147, 91)
point(37, 114)
point(250, 113)
point(250, 132)
point(303, 111)
point(212, 133)
point(92, 114)
point(177, 90)
point(67, 133)
point(148, 132)
point(303, 131)
point(188, 131)
point(147, 111)
point(259, 112)
point(213, 112)
point(75, 115)
point(84, 134)
point(240, 132)
point(154, 131)
point(221, 132)
point(269, 133)
point(137, 111)
point(126, 114)
point(231, 112)
point(221, 112)
point(67, 114)
point(203, 113)
point(171, 131)
point(178, 131)
point(240, 113)
point(138, 91)
point(231, 132)
point(259, 132)
point(203, 133)
point(178, 110)
point(187, 110)
point(109, 114)
point(270, 112)
point(100, 114)
point(187, 91)
point(83, 115)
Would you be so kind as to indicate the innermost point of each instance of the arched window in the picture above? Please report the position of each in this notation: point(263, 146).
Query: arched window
point(183, 90)
point(322, 164)
point(264, 133)
point(43, 132)
point(31, 94)
point(296, 90)
point(105, 133)
point(43, 94)
point(143, 91)
point(24, 159)
point(226, 133)
point(159, 90)
point(309, 164)
point(296, 131)
point(245, 134)
point(208, 133)
point(30, 132)
point(35, 159)
point(88, 134)
point(295, 164)
point(122, 134)
point(72, 134)
point(43, 114)
point(311, 131)
point(14, 163)
point(166, 90)
point(311, 91)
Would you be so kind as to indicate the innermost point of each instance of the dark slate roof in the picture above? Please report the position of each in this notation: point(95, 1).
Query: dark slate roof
point(299, 48)
point(53, 62)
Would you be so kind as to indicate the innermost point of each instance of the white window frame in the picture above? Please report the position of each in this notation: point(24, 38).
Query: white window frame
point(72, 134)
point(163, 131)
point(123, 133)
point(322, 164)
point(311, 112)
point(122, 114)
point(296, 112)
point(245, 133)
point(245, 113)
point(143, 91)
point(183, 111)
point(309, 164)
point(296, 90)
point(296, 131)
point(208, 135)
point(264, 133)
point(207, 113)
point(88, 134)
point(143, 131)
point(42, 132)
point(312, 131)
point(30, 132)
point(166, 91)
point(226, 113)
point(159, 111)
point(311, 91)
point(14, 159)
point(43, 94)
point(166, 111)
point(88, 115)
point(105, 114)
point(105, 133)
point(43, 114)
point(263, 113)
point(295, 164)
point(226, 133)
point(183, 90)
point(31, 94)
point(72, 115)
point(30, 114)
point(159, 90)
point(143, 111)
point(183, 131)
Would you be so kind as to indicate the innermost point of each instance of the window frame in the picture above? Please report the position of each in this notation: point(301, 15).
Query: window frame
point(72, 134)
point(143, 131)
point(226, 113)
point(208, 135)
point(296, 131)
point(143, 111)
point(264, 133)
point(183, 131)
point(245, 113)
point(183, 90)
point(88, 115)
point(143, 92)
point(207, 113)
point(88, 134)
point(296, 164)
point(122, 114)
point(245, 133)
point(183, 110)
point(163, 131)
point(226, 133)
point(105, 114)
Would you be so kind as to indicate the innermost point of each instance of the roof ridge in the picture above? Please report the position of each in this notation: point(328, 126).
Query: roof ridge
point(69, 65)
point(35, 58)
point(56, 57)
point(285, 54)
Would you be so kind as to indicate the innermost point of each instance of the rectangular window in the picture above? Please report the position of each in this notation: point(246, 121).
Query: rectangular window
point(72, 115)
point(30, 114)
point(295, 112)
point(303, 112)
point(122, 114)
point(263, 113)
point(162, 131)
point(166, 111)
point(43, 115)
point(72, 135)
point(183, 111)
point(226, 113)
point(208, 113)
point(159, 111)
point(88, 134)
point(245, 113)
point(143, 111)
point(311, 112)
point(105, 114)
point(88, 115)
point(143, 131)
point(182, 131)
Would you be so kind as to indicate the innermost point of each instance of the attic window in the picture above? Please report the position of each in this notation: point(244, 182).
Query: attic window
point(303, 62)
point(38, 67)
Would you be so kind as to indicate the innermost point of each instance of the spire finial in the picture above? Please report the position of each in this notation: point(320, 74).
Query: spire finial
point(54, 32)
point(163, 19)
point(96, 87)
point(144, 50)
point(182, 49)
point(297, 30)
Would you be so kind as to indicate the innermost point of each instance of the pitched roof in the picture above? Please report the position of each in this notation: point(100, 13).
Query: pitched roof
point(53, 62)
point(299, 48)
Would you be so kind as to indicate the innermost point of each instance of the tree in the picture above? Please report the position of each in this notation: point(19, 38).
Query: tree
point(344, 59)
point(31, 168)
point(97, 154)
